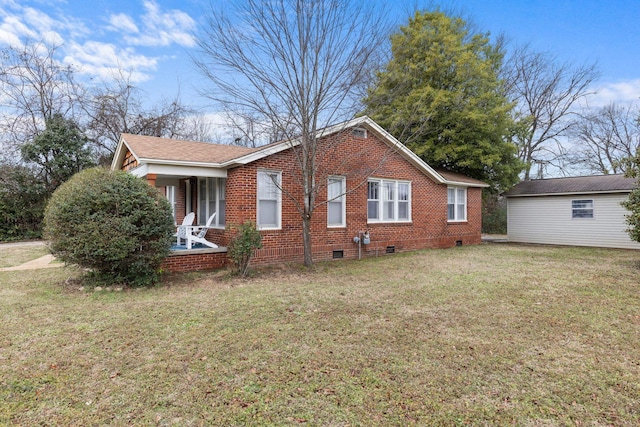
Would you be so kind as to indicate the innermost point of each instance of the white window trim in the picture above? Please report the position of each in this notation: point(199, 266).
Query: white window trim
point(456, 204)
point(278, 201)
point(342, 198)
point(218, 182)
point(593, 210)
point(170, 193)
point(187, 197)
point(381, 202)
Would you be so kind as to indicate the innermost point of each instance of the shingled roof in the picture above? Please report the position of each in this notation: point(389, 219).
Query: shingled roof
point(573, 185)
point(458, 177)
point(154, 148)
point(152, 154)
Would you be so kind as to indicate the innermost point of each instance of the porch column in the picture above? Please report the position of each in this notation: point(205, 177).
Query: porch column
point(151, 179)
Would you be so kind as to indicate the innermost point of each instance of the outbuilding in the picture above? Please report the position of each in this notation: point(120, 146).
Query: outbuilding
point(576, 211)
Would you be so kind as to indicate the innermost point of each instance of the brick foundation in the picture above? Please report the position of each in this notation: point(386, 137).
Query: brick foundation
point(199, 259)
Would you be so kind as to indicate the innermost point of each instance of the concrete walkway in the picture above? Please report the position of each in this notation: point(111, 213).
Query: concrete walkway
point(42, 262)
point(495, 238)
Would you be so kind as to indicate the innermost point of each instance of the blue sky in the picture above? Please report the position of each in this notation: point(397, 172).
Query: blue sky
point(153, 38)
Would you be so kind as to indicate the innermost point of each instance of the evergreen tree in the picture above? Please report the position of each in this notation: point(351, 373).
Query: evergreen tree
point(59, 152)
point(442, 96)
point(632, 170)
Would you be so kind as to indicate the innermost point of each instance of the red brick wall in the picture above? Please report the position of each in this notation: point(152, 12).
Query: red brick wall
point(180, 262)
point(355, 158)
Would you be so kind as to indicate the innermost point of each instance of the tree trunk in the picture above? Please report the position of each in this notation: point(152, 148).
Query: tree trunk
point(306, 238)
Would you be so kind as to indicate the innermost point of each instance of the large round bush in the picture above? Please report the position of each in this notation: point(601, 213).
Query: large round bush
point(112, 223)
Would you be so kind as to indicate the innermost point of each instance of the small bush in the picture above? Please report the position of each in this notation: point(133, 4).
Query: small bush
point(112, 223)
point(246, 239)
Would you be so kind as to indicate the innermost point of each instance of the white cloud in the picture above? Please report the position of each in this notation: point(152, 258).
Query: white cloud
point(623, 92)
point(13, 31)
point(52, 38)
point(91, 57)
point(162, 28)
point(122, 22)
point(105, 59)
point(40, 20)
point(19, 24)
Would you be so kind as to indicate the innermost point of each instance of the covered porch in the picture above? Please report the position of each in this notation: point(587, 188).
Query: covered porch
point(193, 176)
point(203, 195)
point(200, 191)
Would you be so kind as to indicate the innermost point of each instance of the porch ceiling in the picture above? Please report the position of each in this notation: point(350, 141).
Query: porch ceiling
point(164, 171)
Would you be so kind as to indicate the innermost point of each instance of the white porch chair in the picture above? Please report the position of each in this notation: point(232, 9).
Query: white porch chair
point(182, 230)
point(197, 233)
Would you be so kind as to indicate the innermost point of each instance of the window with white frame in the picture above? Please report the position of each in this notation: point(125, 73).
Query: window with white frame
point(582, 208)
point(457, 204)
point(388, 200)
point(336, 206)
point(170, 192)
point(211, 199)
point(269, 199)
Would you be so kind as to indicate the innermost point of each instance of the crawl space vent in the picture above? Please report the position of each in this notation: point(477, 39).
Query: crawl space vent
point(338, 254)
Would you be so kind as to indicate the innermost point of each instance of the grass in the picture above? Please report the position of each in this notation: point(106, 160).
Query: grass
point(11, 255)
point(476, 335)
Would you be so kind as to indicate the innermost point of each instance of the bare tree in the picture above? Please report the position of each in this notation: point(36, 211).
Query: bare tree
point(294, 64)
point(34, 87)
point(546, 94)
point(607, 137)
point(249, 131)
point(118, 107)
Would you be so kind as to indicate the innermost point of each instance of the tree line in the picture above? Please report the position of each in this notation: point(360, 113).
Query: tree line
point(53, 124)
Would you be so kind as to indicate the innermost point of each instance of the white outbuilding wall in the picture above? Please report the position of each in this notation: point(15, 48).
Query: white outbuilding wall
point(548, 220)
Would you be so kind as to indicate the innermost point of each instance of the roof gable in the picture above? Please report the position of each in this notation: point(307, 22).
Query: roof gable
point(573, 185)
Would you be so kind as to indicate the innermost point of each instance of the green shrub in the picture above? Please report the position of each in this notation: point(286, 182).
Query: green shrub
point(112, 223)
point(494, 214)
point(22, 201)
point(245, 240)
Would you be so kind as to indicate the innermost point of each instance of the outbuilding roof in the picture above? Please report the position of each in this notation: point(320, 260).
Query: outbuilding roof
point(617, 183)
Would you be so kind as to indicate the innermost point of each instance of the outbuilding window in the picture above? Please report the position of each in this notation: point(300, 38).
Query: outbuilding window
point(582, 208)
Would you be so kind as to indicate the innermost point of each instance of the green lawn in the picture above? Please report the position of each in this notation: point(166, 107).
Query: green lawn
point(475, 335)
point(11, 256)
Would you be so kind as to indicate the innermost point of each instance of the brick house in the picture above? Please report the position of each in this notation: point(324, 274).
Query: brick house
point(368, 182)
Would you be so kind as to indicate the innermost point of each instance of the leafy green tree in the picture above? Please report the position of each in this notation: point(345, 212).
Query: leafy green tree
point(442, 96)
point(52, 157)
point(59, 152)
point(22, 201)
point(112, 223)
